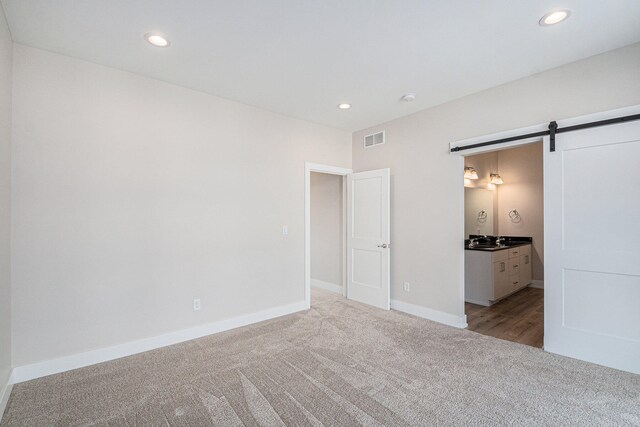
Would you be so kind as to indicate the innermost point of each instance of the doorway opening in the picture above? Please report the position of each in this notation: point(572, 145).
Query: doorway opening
point(325, 229)
point(365, 231)
point(504, 243)
point(328, 233)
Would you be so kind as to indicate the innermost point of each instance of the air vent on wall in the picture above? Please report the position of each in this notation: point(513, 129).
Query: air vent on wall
point(374, 139)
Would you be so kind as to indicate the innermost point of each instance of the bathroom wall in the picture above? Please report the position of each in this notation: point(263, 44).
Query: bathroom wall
point(521, 170)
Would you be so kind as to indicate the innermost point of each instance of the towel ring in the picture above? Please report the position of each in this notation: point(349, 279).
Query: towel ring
point(514, 215)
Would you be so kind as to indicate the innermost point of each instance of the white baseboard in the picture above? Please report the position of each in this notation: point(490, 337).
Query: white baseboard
point(327, 286)
point(483, 303)
point(538, 284)
point(5, 392)
point(430, 314)
point(80, 360)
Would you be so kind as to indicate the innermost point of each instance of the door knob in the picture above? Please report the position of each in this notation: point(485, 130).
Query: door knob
point(384, 245)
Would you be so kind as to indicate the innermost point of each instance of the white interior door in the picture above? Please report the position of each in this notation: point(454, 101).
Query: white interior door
point(368, 233)
point(592, 245)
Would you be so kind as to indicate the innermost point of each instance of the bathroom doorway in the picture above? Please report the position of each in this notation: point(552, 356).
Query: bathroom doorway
point(504, 243)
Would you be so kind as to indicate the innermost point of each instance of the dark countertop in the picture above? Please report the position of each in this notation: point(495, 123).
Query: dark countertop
point(509, 242)
point(497, 248)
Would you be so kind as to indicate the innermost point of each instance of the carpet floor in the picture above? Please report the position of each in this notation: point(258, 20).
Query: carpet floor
point(340, 363)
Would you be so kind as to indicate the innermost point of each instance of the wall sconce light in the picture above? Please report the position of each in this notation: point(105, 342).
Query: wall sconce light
point(470, 173)
point(495, 179)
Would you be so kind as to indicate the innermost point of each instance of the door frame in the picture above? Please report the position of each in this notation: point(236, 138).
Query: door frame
point(481, 150)
point(603, 115)
point(331, 170)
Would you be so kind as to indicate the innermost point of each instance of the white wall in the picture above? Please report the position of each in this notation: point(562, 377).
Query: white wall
point(427, 228)
point(326, 228)
point(523, 189)
point(6, 50)
point(133, 196)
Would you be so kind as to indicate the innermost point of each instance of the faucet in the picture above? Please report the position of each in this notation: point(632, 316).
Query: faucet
point(500, 240)
point(472, 242)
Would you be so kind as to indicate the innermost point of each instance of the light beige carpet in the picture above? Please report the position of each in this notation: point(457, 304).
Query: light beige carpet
point(340, 363)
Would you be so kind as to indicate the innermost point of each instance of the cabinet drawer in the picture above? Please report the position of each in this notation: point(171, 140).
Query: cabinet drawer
point(514, 266)
point(515, 252)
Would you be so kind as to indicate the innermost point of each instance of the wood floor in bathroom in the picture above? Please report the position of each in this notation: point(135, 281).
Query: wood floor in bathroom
point(518, 318)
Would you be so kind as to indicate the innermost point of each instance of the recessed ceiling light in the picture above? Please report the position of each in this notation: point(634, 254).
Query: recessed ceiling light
point(408, 97)
point(344, 106)
point(156, 39)
point(554, 17)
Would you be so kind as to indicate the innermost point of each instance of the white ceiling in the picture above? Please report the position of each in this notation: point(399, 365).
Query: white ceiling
point(303, 57)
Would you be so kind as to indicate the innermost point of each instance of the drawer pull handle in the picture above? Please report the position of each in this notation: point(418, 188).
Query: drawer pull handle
point(515, 283)
point(502, 267)
point(526, 259)
point(515, 266)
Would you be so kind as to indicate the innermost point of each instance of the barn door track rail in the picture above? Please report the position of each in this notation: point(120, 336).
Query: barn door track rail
point(553, 130)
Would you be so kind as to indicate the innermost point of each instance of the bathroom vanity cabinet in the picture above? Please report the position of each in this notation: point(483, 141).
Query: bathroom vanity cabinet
point(491, 275)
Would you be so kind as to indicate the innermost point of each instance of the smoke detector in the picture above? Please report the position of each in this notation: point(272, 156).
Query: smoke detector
point(408, 97)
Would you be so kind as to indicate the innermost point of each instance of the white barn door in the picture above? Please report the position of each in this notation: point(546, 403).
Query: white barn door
point(368, 231)
point(592, 245)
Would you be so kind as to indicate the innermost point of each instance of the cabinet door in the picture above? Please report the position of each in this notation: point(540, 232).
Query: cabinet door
point(525, 270)
point(500, 279)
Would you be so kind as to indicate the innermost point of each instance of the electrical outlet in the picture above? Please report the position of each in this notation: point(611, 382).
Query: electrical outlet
point(285, 230)
point(407, 286)
point(196, 304)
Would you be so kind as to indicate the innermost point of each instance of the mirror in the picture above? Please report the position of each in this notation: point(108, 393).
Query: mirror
point(478, 211)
